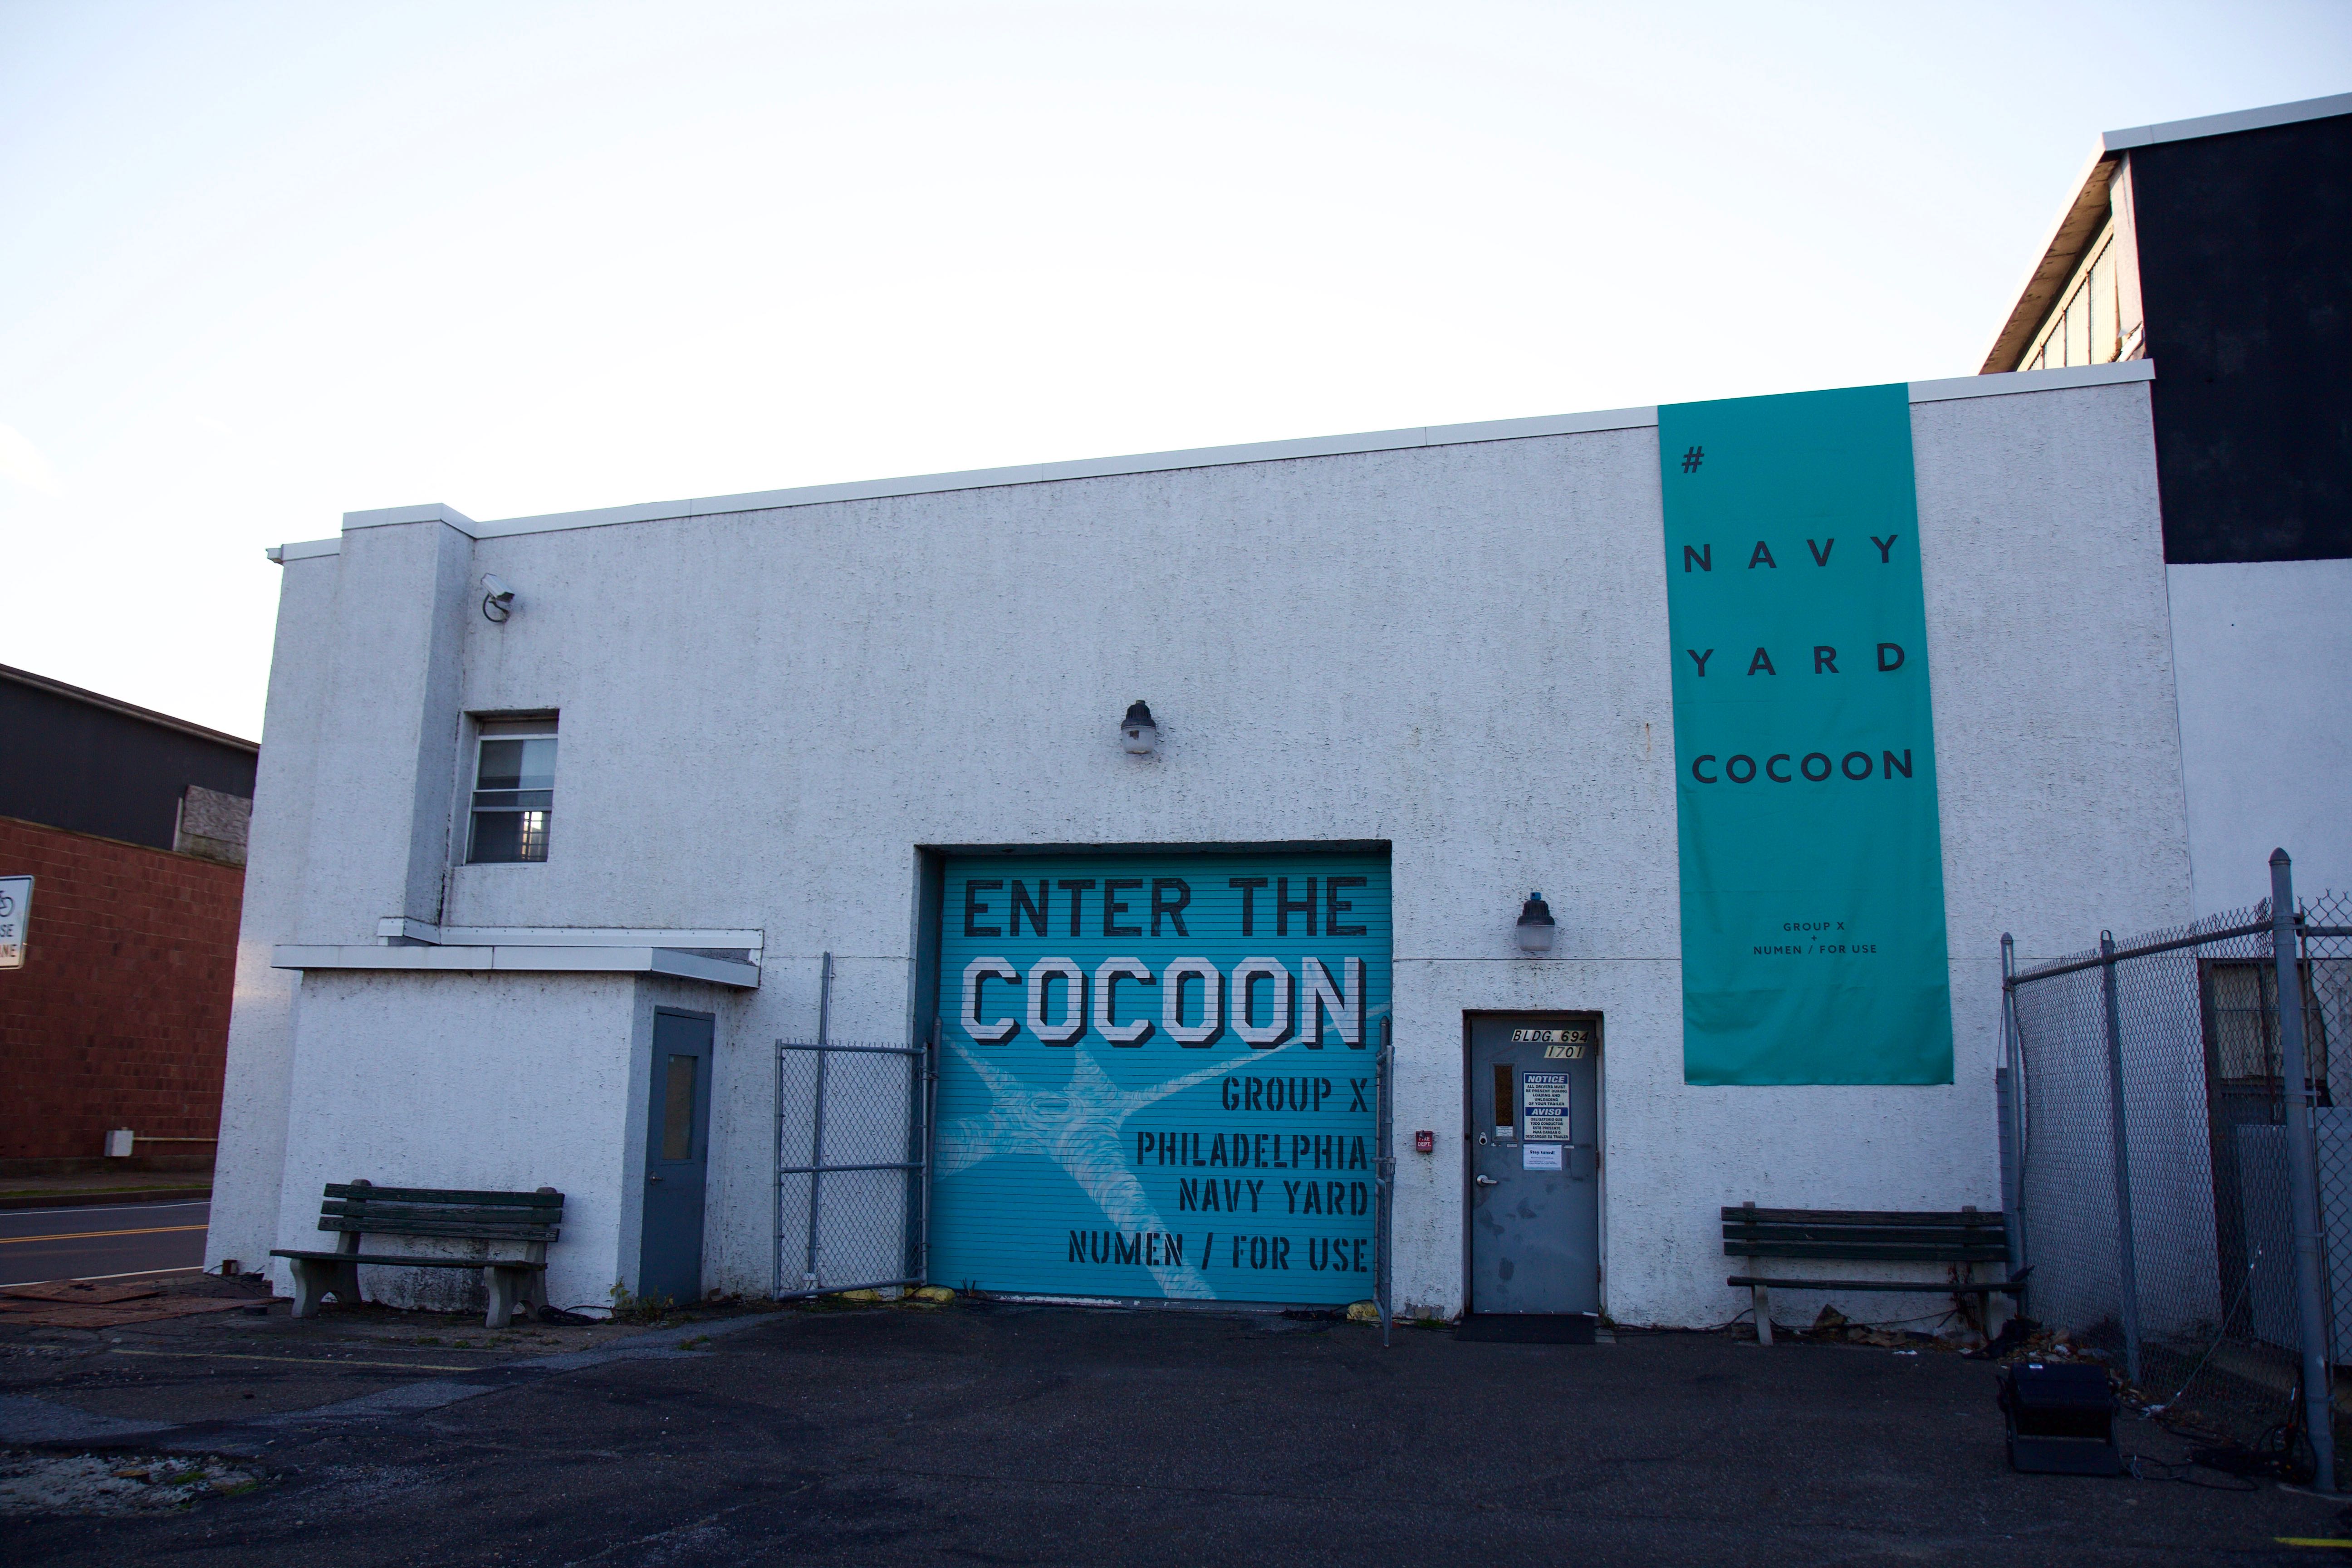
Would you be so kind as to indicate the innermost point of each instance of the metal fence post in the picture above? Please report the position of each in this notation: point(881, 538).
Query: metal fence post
point(926, 1094)
point(775, 1137)
point(2012, 1111)
point(1384, 1171)
point(2127, 1244)
point(2303, 1174)
point(816, 1134)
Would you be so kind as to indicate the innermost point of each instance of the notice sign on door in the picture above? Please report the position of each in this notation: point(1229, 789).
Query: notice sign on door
point(1813, 881)
point(1543, 1107)
point(1539, 1157)
point(15, 914)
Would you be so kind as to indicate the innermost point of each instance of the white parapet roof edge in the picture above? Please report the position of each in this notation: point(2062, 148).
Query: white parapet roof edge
point(2260, 119)
point(2014, 381)
point(521, 961)
point(1154, 462)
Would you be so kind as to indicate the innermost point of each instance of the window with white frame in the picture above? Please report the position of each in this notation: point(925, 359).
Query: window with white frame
point(514, 791)
point(2089, 328)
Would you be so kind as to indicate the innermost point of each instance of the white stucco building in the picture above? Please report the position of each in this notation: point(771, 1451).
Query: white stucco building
point(782, 717)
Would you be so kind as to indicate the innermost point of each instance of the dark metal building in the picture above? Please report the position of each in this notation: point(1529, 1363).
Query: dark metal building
point(2220, 247)
point(88, 764)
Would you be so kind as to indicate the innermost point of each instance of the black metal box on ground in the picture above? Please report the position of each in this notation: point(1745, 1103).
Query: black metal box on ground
point(2060, 1419)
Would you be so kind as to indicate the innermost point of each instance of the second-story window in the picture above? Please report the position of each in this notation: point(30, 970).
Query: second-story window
point(514, 792)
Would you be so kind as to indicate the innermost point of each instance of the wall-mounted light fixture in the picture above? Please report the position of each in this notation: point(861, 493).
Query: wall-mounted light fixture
point(1535, 925)
point(1136, 731)
point(497, 599)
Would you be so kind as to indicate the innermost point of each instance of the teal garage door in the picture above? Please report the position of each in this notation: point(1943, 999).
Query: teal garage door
point(1156, 1075)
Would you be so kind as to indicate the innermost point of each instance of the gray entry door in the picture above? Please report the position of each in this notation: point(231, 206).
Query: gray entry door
point(677, 1152)
point(1534, 1164)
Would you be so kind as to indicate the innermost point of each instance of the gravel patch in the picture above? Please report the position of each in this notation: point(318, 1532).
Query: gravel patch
point(113, 1484)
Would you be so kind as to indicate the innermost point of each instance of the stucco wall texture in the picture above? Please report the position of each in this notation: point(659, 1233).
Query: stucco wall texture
point(2260, 650)
point(1459, 650)
point(119, 1016)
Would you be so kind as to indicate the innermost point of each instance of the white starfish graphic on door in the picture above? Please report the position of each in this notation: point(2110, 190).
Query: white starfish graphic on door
point(1077, 1125)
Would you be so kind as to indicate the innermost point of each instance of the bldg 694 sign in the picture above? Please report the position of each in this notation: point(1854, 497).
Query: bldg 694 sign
point(1156, 1075)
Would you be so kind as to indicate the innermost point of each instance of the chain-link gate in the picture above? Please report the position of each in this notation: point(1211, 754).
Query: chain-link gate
point(853, 1161)
point(2165, 1129)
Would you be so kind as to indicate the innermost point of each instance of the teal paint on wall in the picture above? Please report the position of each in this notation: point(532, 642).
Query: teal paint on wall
point(1812, 885)
point(1173, 1165)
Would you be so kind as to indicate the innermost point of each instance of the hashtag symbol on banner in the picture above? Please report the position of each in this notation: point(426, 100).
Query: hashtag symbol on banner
point(1692, 458)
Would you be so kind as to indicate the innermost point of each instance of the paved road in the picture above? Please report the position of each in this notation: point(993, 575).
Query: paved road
point(101, 1241)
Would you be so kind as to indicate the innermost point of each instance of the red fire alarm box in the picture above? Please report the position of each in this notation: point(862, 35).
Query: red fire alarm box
point(1424, 1142)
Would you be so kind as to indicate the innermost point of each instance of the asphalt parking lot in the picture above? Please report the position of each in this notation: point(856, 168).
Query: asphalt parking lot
point(1005, 1434)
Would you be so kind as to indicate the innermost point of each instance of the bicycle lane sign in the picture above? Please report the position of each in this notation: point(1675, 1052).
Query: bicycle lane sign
point(16, 911)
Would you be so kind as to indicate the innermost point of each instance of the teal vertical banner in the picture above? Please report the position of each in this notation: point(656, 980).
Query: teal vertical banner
point(1812, 882)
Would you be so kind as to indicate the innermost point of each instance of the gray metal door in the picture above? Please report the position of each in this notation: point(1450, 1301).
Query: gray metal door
point(1534, 1164)
point(678, 1151)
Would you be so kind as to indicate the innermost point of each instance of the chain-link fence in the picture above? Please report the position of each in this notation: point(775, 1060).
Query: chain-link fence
point(852, 1165)
point(2150, 1164)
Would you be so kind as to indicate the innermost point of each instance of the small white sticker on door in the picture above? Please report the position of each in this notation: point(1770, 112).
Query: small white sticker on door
point(1540, 1156)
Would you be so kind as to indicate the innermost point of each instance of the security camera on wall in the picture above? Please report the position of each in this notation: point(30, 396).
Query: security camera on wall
point(497, 599)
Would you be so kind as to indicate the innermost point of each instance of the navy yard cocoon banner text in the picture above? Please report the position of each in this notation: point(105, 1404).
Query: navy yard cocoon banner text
point(1157, 1074)
point(1812, 885)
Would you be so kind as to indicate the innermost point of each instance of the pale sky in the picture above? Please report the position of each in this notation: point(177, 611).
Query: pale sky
point(263, 264)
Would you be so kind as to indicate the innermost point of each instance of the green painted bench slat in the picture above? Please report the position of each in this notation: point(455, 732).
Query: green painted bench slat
point(392, 1216)
point(1965, 1218)
point(442, 1196)
point(403, 1260)
point(488, 1214)
point(1907, 1235)
point(1885, 1252)
point(462, 1230)
point(1921, 1287)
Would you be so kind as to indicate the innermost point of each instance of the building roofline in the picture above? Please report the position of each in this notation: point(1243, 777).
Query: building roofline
point(2083, 212)
point(2078, 222)
point(1144, 463)
point(127, 710)
point(2229, 124)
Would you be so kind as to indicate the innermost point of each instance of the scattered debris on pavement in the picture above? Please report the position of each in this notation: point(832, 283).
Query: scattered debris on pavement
point(91, 1304)
point(1833, 1327)
point(114, 1484)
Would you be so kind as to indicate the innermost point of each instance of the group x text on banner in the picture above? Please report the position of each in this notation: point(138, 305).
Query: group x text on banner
point(1812, 887)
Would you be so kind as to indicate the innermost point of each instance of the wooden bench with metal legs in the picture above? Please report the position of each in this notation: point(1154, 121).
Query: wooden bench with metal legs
point(1963, 1238)
point(355, 1209)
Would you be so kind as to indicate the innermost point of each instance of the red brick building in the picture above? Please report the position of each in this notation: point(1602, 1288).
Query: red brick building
point(115, 1016)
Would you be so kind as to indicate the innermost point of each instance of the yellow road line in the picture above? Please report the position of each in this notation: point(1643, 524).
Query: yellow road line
point(300, 1360)
point(86, 1234)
